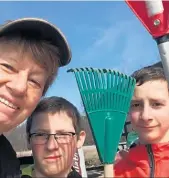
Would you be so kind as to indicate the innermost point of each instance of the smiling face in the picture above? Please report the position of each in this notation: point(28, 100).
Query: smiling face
point(21, 86)
point(53, 158)
point(149, 111)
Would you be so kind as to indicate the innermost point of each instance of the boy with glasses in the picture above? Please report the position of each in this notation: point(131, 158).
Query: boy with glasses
point(54, 136)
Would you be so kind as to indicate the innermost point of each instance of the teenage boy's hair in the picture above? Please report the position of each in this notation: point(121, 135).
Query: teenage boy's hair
point(54, 105)
point(149, 73)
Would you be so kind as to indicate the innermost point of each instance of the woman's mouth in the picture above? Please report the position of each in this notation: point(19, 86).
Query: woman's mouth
point(8, 103)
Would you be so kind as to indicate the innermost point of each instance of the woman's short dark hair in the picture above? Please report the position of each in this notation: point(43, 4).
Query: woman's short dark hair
point(45, 54)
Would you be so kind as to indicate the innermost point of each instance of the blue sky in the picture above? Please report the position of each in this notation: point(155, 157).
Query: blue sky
point(101, 35)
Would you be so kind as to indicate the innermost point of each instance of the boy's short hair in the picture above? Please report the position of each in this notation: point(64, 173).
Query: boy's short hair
point(54, 105)
point(41, 39)
point(147, 74)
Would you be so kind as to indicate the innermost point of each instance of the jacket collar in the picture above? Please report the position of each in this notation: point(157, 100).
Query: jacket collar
point(140, 152)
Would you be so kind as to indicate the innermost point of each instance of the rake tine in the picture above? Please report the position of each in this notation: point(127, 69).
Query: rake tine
point(90, 79)
point(88, 88)
point(95, 99)
point(109, 89)
point(126, 102)
point(104, 77)
point(100, 86)
point(82, 90)
point(97, 85)
point(125, 91)
point(122, 90)
point(93, 96)
point(116, 89)
point(88, 82)
point(112, 89)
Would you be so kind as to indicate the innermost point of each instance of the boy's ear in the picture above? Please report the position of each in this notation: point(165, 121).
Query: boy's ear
point(81, 139)
point(28, 142)
point(128, 116)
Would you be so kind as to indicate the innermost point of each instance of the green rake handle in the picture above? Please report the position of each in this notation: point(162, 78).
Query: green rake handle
point(108, 142)
point(108, 165)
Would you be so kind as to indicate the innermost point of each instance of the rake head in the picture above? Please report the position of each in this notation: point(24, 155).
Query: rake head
point(106, 95)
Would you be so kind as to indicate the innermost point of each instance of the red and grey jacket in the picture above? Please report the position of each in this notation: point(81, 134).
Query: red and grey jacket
point(144, 161)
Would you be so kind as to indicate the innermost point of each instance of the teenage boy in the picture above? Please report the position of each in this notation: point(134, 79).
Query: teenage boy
point(149, 115)
point(54, 135)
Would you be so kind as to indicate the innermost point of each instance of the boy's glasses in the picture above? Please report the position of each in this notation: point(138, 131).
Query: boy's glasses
point(42, 138)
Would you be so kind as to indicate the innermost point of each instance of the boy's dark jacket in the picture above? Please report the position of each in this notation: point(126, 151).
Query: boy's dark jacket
point(10, 165)
point(72, 174)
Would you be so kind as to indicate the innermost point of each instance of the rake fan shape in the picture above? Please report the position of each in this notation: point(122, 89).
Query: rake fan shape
point(106, 95)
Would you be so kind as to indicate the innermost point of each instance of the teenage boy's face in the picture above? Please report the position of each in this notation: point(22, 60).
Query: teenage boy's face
point(149, 111)
point(54, 157)
point(21, 86)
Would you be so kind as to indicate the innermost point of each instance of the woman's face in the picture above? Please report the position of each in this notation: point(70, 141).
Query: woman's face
point(22, 82)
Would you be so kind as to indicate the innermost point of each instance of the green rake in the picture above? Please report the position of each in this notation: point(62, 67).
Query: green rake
point(106, 95)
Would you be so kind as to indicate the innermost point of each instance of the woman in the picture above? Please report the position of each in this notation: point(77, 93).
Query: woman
point(31, 51)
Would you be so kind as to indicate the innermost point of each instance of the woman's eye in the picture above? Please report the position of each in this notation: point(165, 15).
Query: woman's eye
point(8, 67)
point(36, 83)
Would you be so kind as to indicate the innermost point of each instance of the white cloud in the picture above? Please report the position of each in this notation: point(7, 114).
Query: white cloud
point(135, 47)
point(107, 39)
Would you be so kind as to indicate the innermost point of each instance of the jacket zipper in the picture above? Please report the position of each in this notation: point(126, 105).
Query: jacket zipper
point(151, 160)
